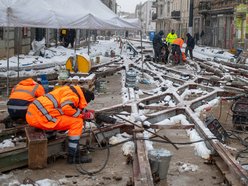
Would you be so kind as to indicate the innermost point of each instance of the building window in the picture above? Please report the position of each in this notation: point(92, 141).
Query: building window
point(1, 33)
point(24, 31)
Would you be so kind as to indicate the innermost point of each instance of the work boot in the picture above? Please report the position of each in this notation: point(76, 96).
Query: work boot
point(77, 160)
point(74, 156)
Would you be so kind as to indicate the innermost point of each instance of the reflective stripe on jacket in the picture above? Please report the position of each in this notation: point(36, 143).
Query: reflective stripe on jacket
point(62, 101)
point(24, 93)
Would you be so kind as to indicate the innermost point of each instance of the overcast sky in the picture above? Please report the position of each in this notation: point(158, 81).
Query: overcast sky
point(128, 5)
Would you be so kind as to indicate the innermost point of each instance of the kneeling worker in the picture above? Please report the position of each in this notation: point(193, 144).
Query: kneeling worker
point(62, 109)
point(177, 44)
point(24, 93)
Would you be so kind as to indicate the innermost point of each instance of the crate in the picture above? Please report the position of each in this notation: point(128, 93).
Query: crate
point(37, 148)
point(88, 82)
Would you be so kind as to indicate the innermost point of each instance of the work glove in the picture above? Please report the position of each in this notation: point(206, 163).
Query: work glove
point(88, 114)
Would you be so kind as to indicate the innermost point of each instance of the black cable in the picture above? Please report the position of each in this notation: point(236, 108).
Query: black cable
point(161, 141)
point(80, 168)
point(244, 142)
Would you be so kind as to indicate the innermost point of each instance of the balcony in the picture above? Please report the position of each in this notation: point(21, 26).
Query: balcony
point(204, 7)
point(175, 14)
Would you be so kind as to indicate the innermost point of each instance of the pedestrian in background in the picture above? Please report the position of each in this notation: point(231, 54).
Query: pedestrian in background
point(202, 37)
point(62, 34)
point(157, 46)
point(70, 38)
point(190, 45)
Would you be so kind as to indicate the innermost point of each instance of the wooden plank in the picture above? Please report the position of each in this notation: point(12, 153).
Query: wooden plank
point(18, 157)
point(172, 126)
point(37, 148)
point(235, 167)
point(232, 180)
point(142, 174)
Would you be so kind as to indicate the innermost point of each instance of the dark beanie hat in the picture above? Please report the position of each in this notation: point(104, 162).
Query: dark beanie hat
point(89, 96)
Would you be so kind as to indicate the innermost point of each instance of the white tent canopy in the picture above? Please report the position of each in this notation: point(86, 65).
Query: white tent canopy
point(83, 14)
point(78, 14)
point(134, 21)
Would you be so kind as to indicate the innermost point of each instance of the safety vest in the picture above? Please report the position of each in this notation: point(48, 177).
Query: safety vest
point(179, 42)
point(24, 93)
point(63, 31)
point(47, 109)
point(171, 37)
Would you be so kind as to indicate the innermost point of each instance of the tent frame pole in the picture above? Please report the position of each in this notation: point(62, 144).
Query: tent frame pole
point(142, 57)
point(7, 48)
point(18, 51)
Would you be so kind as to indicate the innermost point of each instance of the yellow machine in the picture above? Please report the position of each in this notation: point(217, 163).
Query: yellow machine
point(80, 64)
point(79, 67)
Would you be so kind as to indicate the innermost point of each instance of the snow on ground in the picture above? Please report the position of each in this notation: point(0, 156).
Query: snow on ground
point(11, 180)
point(6, 143)
point(58, 56)
point(200, 147)
point(174, 120)
point(210, 54)
point(207, 107)
point(186, 167)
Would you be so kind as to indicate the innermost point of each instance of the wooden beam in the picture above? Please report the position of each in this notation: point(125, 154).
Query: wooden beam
point(142, 175)
point(172, 126)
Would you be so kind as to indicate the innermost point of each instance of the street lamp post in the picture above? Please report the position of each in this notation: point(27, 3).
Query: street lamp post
point(191, 9)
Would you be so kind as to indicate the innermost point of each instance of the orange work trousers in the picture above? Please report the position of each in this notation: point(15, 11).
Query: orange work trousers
point(73, 125)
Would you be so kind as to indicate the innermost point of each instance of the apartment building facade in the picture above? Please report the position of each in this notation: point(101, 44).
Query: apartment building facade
point(172, 14)
point(221, 23)
point(18, 40)
point(145, 13)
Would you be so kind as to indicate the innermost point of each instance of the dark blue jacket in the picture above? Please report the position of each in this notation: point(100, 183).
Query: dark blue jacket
point(190, 41)
point(157, 40)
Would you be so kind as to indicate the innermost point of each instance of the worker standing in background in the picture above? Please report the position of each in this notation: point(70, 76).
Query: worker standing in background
point(70, 38)
point(62, 109)
point(62, 36)
point(190, 45)
point(24, 93)
point(157, 46)
point(176, 46)
point(171, 37)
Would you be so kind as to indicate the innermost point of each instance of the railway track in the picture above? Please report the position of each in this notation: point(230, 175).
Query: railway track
point(235, 174)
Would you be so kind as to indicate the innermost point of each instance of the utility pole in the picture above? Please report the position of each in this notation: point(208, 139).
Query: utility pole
point(191, 11)
point(180, 24)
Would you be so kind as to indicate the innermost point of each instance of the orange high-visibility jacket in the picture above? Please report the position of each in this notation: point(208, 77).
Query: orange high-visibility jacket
point(178, 41)
point(47, 110)
point(24, 93)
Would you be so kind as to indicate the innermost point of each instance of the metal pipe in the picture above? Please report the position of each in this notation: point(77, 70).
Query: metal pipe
point(18, 51)
point(7, 83)
point(191, 11)
point(157, 135)
point(142, 59)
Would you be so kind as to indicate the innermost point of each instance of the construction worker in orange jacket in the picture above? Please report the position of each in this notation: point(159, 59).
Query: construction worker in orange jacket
point(177, 44)
point(62, 109)
point(24, 93)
